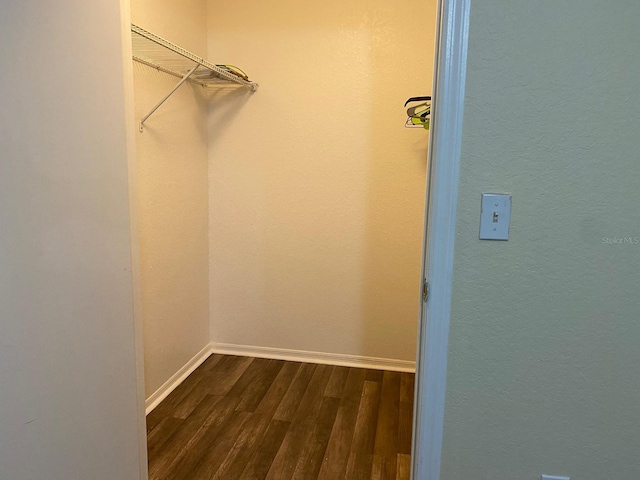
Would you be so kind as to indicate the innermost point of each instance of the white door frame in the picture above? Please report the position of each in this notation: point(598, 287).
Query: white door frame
point(440, 223)
point(130, 123)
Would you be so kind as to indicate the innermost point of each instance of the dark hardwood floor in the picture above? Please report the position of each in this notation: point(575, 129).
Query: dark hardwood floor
point(253, 418)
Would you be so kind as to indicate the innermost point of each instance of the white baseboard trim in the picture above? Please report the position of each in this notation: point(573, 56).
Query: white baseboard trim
point(276, 353)
point(176, 379)
point(315, 357)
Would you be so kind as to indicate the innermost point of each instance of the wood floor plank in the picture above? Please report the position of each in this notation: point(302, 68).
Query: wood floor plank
point(260, 463)
point(405, 424)
point(366, 423)
point(359, 466)
point(405, 427)
point(336, 456)
point(162, 458)
point(186, 405)
point(310, 459)
point(162, 434)
point(384, 467)
point(168, 405)
point(221, 379)
point(285, 461)
point(193, 453)
point(199, 377)
point(388, 418)
point(182, 393)
point(212, 458)
point(210, 363)
point(243, 449)
point(403, 470)
point(272, 399)
point(291, 399)
point(362, 447)
point(407, 381)
point(336, 382)
point(250, 375)
point(374, 375)
point(183, 406)
point(256, 390)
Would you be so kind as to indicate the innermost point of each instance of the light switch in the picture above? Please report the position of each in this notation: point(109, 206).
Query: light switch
point(495, 215)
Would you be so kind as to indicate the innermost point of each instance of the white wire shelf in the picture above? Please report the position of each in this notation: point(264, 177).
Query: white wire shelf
point(156, 52)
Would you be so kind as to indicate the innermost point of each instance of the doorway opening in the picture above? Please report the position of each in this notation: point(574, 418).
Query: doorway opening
point(283, 226)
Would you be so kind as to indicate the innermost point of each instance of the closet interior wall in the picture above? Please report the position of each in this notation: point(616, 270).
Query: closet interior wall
point(291, 218)
point(171, 167)
point(316, 189)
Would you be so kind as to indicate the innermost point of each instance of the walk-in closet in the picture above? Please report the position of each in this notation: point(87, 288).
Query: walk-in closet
point(279, 206)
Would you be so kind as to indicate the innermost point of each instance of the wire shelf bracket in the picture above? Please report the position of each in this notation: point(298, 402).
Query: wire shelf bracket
point(156, 52)
point(184, 79)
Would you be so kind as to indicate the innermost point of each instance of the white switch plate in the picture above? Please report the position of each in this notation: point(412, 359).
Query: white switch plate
point(495, 216)
point(553, 477)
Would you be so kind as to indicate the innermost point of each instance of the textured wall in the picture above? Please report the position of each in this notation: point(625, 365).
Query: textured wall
point(544, 360)
point(171, 161)
point(316, 189)
point(67, 362)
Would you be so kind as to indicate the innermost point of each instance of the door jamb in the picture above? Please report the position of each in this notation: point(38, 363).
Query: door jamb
point(125, 26)
point(440, 223)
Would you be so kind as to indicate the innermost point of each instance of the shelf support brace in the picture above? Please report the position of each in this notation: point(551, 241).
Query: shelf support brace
point(184, 79)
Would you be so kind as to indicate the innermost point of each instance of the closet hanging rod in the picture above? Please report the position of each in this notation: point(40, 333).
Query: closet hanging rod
point(156, 52)
point(165, 70)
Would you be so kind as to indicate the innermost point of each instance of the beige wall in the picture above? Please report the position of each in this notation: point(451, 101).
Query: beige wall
point(172, 197)
point(67, 362)
point(544, 358)
point(316, 188)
